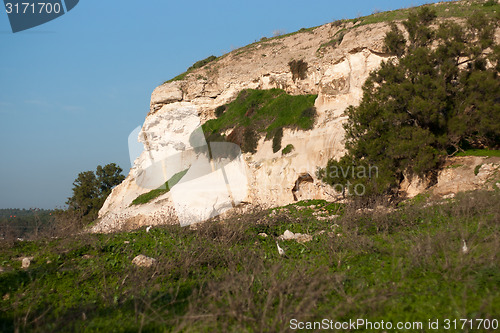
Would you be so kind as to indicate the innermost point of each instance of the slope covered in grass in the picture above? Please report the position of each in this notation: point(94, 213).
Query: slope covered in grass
point(405, 265)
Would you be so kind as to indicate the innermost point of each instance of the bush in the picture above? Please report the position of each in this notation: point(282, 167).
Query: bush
point(202, 63)
point(309, 113)
point(298, 69)
point(220, 110)
point(288, 149)
point(278, 135)
point(394, 41)
point(196, 65)
point(250, 141)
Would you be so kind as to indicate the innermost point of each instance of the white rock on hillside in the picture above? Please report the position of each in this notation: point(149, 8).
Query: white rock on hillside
point(336, 74)
point(143, 261)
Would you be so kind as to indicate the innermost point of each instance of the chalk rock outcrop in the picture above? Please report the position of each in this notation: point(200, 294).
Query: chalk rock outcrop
point(339, 60)
point(335, 72)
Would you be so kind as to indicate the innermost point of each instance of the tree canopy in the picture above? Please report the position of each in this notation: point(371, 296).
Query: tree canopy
point(439, 95)
point(90, 190)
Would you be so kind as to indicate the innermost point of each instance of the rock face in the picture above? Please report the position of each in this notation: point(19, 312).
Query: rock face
point(337, 68)
point(335, 73)
point(465, 173)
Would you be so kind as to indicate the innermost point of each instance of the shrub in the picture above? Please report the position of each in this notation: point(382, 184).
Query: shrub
point(220, 110)
point(394, 41)
point(298, 69)
point(278, 135)
point(250, 141)
point(202, 63)
point(196, 65)
point(309, 113)
point(288, 149)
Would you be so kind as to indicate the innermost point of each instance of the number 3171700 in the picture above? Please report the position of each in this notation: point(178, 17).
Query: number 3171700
point(33, 8)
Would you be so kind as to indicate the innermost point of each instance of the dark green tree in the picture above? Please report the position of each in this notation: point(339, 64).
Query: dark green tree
point(429, 103)
point(90, 190)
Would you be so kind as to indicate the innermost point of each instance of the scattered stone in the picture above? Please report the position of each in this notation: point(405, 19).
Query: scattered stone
point(301, 238)
point(263, 234)
point(449, 196)
point(126, 242)
point(143, 261)
point(25, 263)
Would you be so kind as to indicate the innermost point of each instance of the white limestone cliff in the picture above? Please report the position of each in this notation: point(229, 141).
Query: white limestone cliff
point(336, 73)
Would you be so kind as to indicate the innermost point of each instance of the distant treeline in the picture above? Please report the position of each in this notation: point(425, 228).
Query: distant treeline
point(11, 212)
point(23, 223)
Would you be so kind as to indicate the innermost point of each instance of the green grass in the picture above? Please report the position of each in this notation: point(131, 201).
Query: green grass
point(444, 10)
point(147, 197)
point(196, 65)
point(454, 166)
point(403, 266)
point(480, 152)
point(265, 111)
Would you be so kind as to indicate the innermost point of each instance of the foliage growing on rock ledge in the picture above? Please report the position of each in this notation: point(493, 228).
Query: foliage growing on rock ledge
point(298, 69)
point(165, 188)
point(196, 65)
point(429, 104)
point(261, 112)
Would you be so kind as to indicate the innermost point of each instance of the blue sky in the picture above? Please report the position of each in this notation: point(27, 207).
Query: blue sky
point(73, 89)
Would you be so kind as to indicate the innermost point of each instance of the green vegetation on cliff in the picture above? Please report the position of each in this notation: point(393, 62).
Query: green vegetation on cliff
point(429, 104)
point(261, 112)
point(165, 188)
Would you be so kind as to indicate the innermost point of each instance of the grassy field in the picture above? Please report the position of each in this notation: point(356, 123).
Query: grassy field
point(401, 265)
